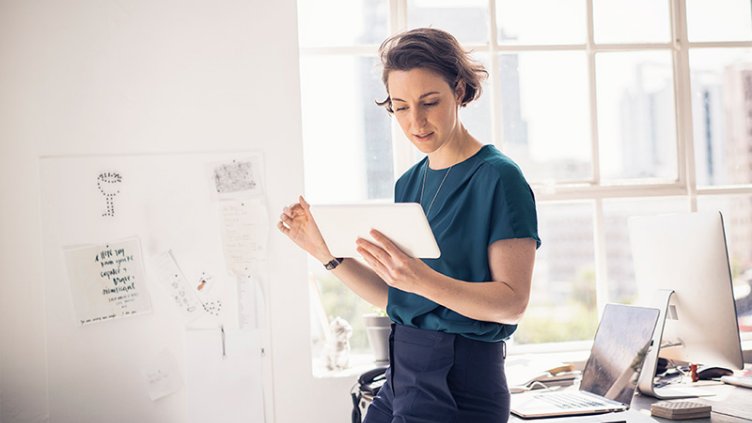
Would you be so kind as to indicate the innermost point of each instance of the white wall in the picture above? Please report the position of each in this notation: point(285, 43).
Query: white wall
point(141, 76)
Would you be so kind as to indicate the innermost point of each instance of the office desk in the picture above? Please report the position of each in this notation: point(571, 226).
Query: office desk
point(728, 401)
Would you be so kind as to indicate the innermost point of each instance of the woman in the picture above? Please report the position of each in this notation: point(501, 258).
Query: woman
point(451, 314)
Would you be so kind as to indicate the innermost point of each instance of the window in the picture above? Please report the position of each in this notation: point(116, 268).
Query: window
point(608, 119)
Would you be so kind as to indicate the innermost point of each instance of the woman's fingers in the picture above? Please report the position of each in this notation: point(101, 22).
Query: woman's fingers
point(381, 262)
point(373, 249)
point(304, 203)
point(291, 213)
point(292, 210)
point(284, 229)
point(375, 264)
point(305, 208)
point(387, 244)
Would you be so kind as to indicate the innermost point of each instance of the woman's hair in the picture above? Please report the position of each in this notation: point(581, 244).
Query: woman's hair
point(435, 50)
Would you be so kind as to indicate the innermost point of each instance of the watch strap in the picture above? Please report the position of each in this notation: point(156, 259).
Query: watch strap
point(333, 263)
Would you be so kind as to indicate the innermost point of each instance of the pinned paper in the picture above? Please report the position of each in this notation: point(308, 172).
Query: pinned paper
point(251, 305)
point(162, 376)
point(245, 231)
point(224, 376)
point(107, 281)
point(239, 178)
point(173, 280)
point(211, 292)
point(200, 296)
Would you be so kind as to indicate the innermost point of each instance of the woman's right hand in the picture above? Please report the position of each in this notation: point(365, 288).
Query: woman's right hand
point(297, 223)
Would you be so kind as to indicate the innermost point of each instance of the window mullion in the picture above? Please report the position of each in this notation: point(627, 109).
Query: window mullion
point(401, 147)
point(497, 108)
point(589, 192)
point(719, 44)
point(398, 14)
point(595, 47)
point(601, 261)
point(745, 189)
point(683, 101)
point(594, 141)
point(493, 30)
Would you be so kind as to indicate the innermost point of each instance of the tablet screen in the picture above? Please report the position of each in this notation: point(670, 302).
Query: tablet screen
point(404, 223)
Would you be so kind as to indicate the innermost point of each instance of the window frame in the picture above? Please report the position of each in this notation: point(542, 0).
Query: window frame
point(594, 189)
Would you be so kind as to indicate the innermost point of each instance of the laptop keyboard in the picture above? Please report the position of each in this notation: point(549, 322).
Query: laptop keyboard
point(568, 400)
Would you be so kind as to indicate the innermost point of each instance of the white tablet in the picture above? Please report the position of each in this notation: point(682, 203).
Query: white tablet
point(404, 223)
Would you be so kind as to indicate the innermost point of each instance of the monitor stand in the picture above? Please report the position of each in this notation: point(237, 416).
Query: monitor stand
point(646, 383)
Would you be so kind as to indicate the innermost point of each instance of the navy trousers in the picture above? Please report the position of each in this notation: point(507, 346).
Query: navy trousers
point(437, 377)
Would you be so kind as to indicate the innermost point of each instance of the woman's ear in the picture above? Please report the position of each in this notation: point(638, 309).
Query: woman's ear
point(459, 92)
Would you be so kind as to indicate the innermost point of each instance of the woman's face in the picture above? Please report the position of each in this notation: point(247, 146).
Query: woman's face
point(425, 106)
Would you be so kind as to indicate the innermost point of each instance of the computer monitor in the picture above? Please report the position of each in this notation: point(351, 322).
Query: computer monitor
point(681, 266)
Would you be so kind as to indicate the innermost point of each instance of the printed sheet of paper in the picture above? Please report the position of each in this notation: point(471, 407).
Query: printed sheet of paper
point(173, 280)
point(107, 281)
point(245, 232)
point(224, 387)
point(162, 376)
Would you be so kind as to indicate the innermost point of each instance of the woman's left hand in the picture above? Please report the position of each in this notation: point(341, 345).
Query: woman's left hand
point(395, 267)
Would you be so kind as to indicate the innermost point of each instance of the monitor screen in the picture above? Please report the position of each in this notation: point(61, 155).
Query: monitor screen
point(686, 253)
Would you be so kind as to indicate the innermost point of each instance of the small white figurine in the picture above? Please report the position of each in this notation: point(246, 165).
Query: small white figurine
point(337, 347)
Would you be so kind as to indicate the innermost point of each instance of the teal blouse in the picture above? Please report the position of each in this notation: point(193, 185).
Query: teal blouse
point(483, 199)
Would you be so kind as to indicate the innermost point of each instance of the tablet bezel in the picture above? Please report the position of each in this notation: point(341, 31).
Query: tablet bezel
point(404, 223)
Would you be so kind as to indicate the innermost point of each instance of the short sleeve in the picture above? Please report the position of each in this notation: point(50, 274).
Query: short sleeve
point(513, 213)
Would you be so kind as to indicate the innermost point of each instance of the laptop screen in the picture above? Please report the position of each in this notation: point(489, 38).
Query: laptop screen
point(619, 348)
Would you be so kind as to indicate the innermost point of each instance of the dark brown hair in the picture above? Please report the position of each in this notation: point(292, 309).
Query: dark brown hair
point(435, 50)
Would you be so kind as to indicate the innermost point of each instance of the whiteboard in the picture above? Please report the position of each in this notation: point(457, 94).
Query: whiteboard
point(160, 364)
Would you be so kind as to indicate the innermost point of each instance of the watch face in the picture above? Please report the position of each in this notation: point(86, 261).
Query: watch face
point(332, 264)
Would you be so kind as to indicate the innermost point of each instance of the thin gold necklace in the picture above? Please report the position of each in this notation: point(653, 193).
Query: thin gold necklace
point(423, 188)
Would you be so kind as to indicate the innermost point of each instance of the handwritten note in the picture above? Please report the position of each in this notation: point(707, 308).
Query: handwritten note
point(245, 232)
point(162, 376)
point(107, 281)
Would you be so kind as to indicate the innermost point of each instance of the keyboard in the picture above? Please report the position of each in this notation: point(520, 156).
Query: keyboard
point(569, 400)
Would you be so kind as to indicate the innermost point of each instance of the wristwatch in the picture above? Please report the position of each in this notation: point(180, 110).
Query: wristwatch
point(333, 264)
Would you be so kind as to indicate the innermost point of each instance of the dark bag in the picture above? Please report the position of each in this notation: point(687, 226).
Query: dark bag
point(365, 390)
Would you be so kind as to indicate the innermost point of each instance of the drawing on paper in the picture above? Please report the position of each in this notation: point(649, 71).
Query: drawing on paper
point(175, 282)
point(203, 281)
point(234, 176)
point(213, 307)
point(109, 185)
point(211, 303)
point(180, 297)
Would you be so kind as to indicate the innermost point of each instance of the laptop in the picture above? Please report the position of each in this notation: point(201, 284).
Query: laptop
point(610, 376)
